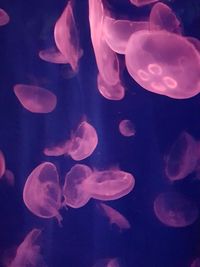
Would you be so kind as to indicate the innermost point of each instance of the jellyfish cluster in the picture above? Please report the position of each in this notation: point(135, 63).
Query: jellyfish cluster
point(73, 170)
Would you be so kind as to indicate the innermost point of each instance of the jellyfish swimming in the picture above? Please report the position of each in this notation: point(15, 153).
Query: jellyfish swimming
point(164, 63)
point(35, 99)
point(42, 193)
point(175, 210)
point(126, 128)
point(4, 17)
point(52, 56)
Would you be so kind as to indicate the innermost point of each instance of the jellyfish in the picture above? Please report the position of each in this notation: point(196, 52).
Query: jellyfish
point(140, 3)
point(10, 177)
point(195, 42)
point(66, 37)
point(73, 191)
point(175, 210)
point(28, 252)
point(2, 164)
point(115, 217)
point(4, 18)
point(42, 193)
point(109, 184)
point(53, 56)
point(163, 18)
point(118, 32)
point(35, 99)
point(111, 92)
point(164, 63)
point(182, 158)
point(195, 263)
point(126, 128)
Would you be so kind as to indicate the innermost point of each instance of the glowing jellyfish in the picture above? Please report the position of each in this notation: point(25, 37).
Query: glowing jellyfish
point(107, 61)
point(175, 210)
point(35, 99)
point(111, 92)
point(139, 3)
point(126, 128)
point(164, 63)
point(196, 263)
point(52, 56)
point(4, 18)
point(182, 157)
point(115, 217)
point(9, 176)
point(66, 37)
point(109, 184)
point(118, 32)
point(2, 164)
point(73, 191)
point(163, 18)
point(42, 193)
point(28, 252)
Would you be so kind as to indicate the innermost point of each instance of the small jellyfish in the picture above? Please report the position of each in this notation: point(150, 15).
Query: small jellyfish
point(73, 191)
point(126, 128)
point(195, 263)
point(53, 56)
point(2, 164)
point(111, 92)
point(115, 217)
point(140, 3)
point(175, 210)
point(109, 184)
point(4, 18)
point(66, 37)
point(163, 18)
point(182, 157)
point(28, 252)
point(118, 32)
point(35, 99)
point(164, 63)
point(42, 192)
point(9, 176)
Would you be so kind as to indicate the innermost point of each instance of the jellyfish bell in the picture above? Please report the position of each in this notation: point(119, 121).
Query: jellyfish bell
point(140, 3)
point(164, 63)
point(110, 92)
point(42, 192)
point(35, 99)
point(163, 18)
point(182, 158)
point(126, 128)
point(175, 210)
point(73, 191)
point(4, 18)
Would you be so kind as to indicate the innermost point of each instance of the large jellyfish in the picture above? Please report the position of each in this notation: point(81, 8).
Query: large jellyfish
point(164, 63)
point(35, 99)
point(4, 18)
point(175, 210)
point(28, 252)
point(42, 192)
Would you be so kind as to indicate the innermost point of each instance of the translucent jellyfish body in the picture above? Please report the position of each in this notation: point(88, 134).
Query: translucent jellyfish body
point(182, 158)
point(175, 210)
point(140, 3)
point(109, 184)
point(42, 193)
point(73, 191)
point(53, 56)
point(126, 128)
point(28, 252)
point(164, 63)
point(66, 37)
point(35, 99)
point(4, 18)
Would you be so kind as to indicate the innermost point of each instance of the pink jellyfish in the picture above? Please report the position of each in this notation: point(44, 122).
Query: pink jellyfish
point(195, 263)
point(35, 99)
point(2, 164)
point(109, 184)
point(53, 56)
point(28, 252)
point(140, 3)
point(42, 193)
point(4, 18)
point(118, 32)
point(126, 128)
point(9, 176)
point(73, 191)
point(66, 37)
point(115, 217)
point(164, 63)
point(195, 42)
point(182, 158)
point(175, 210)
point(163, 18)
point(107, 61)
point(111, 92)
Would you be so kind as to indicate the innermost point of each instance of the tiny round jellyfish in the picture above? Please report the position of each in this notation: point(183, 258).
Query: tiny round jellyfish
point(126, 128)
point(35, 99)
point(73, 190)
point(175, 55)
point(175, 210)
point(42, 192)
point(4, 18)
